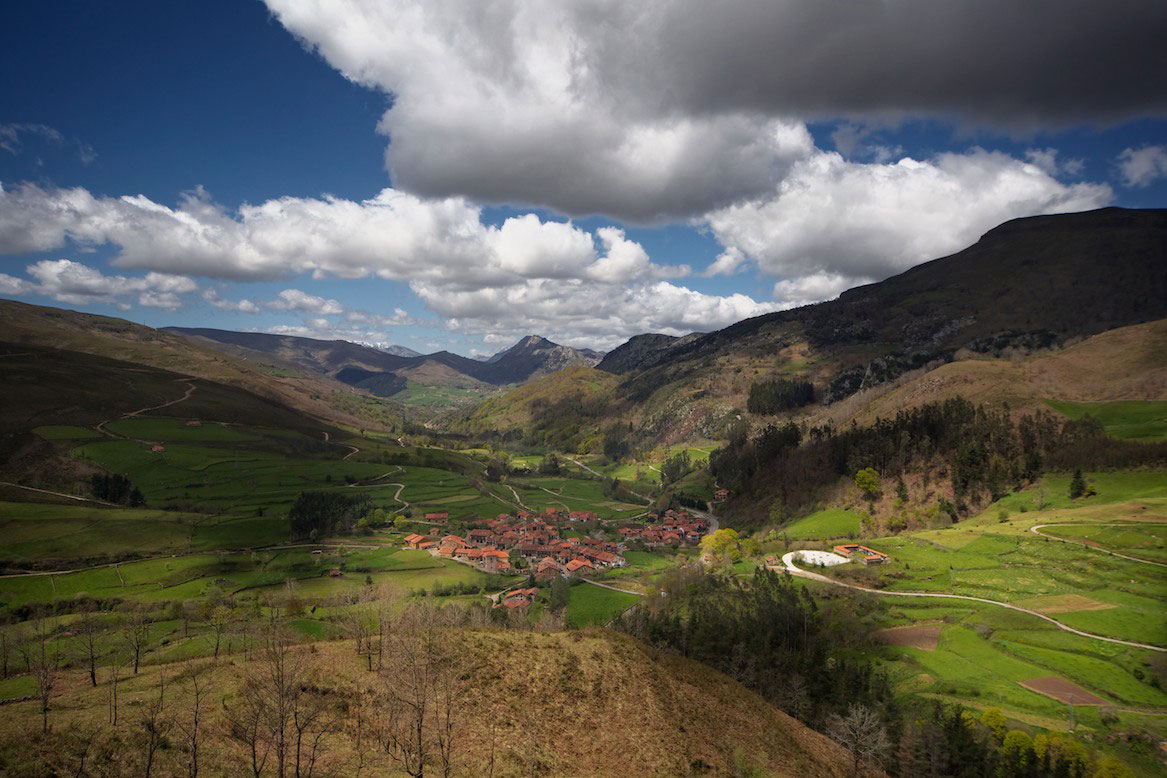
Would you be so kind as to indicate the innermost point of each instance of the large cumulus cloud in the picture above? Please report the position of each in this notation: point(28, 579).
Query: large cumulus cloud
point(647, 111)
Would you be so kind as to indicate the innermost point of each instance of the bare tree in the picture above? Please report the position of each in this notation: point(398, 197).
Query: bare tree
point(5, 649)
point(220, 621)
point(246, 722)
point(42, 666)
point(276, 715)
point(155, 725)
point(115, 671)
point(359, 726)
point(90, 631)
point(191, 729)
point(861, 732)
point(136, 631)
point(422, 692)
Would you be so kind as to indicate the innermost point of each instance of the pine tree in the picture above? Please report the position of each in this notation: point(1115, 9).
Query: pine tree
point(1077, 485)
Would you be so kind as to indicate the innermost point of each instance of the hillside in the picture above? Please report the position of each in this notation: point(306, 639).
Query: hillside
point(539, 711)
point(1025, 285)
point(559, 408)
point(317, 395)
point(1129, 363)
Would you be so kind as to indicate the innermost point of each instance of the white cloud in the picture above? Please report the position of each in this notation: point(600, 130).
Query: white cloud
point(16, 287)
point(1141, 167)
point(1047, 161)
point(295, 300)
point(727, 263)
point(580, 313)
point(671, 108)
point(72, 282)
point(869, 221)
point(813, 288)
point(239, 306)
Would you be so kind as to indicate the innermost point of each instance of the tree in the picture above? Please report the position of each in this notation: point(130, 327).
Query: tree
point(560, 592)
point(1077, 485)
point(221, 618)
point(155, 725)
point(136, 631)
point(867, 480)
point(995, 720)
point(675, 468)
point(421, 693)
point(722, 544)
point(862, 733)
point(42, 666)
point(89, 631)
point(549, 465)
point(191, 730)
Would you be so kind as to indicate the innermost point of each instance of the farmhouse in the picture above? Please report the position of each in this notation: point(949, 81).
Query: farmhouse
point(721, 494)
point(868, 556)
point(440, 518)
point(518, 598)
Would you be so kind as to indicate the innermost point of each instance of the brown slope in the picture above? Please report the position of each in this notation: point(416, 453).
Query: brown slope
point(316, 395)
point(583, 704)
point(1129, 363)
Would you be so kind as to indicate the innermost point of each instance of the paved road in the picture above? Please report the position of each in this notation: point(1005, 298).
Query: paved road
point(788, 561)
point(1034, 529)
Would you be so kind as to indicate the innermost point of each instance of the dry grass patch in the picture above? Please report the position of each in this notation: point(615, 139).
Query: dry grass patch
point(1064, 603)
point(1062, 690)
point(922, 636)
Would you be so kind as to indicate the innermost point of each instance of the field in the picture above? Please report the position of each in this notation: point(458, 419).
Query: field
point(1145, 541)
point(1144, 420)
point(824, 525)
point(588, 604)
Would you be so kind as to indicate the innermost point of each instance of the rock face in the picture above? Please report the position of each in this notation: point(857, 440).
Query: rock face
point(535, 356)
point(642, 351)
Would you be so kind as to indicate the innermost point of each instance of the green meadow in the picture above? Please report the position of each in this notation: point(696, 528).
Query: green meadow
point(594, 605)
point(1143, 420)
point(824, 525)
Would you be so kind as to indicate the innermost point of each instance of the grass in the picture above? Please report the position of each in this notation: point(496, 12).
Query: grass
point(595, 605)
point(1143, 420)
point(1146, 541)
point(165, 430)
point(66, 432)
point(823, 525)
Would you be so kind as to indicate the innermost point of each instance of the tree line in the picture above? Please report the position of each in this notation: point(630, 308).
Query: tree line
point(984, 450)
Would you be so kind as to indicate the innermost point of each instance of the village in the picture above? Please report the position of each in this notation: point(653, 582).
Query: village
point(545, 545)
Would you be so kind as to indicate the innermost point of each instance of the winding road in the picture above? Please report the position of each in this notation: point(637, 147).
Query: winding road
point(788, 562)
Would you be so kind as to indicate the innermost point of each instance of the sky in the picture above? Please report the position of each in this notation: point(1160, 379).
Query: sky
point(456, 174)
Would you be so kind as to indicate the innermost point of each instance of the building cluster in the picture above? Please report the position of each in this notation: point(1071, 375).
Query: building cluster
point(536, 538)
point(671, 528)
point(868, 556)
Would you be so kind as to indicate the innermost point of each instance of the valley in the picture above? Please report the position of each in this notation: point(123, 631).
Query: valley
point(565, 538)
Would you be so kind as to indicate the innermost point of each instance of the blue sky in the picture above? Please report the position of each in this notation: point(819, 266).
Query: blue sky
point(443, 175)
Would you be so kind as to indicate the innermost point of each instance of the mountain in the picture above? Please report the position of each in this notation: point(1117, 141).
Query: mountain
point(397, 351)
point(1028, 285)
point(643, 351)
point(384, 373)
